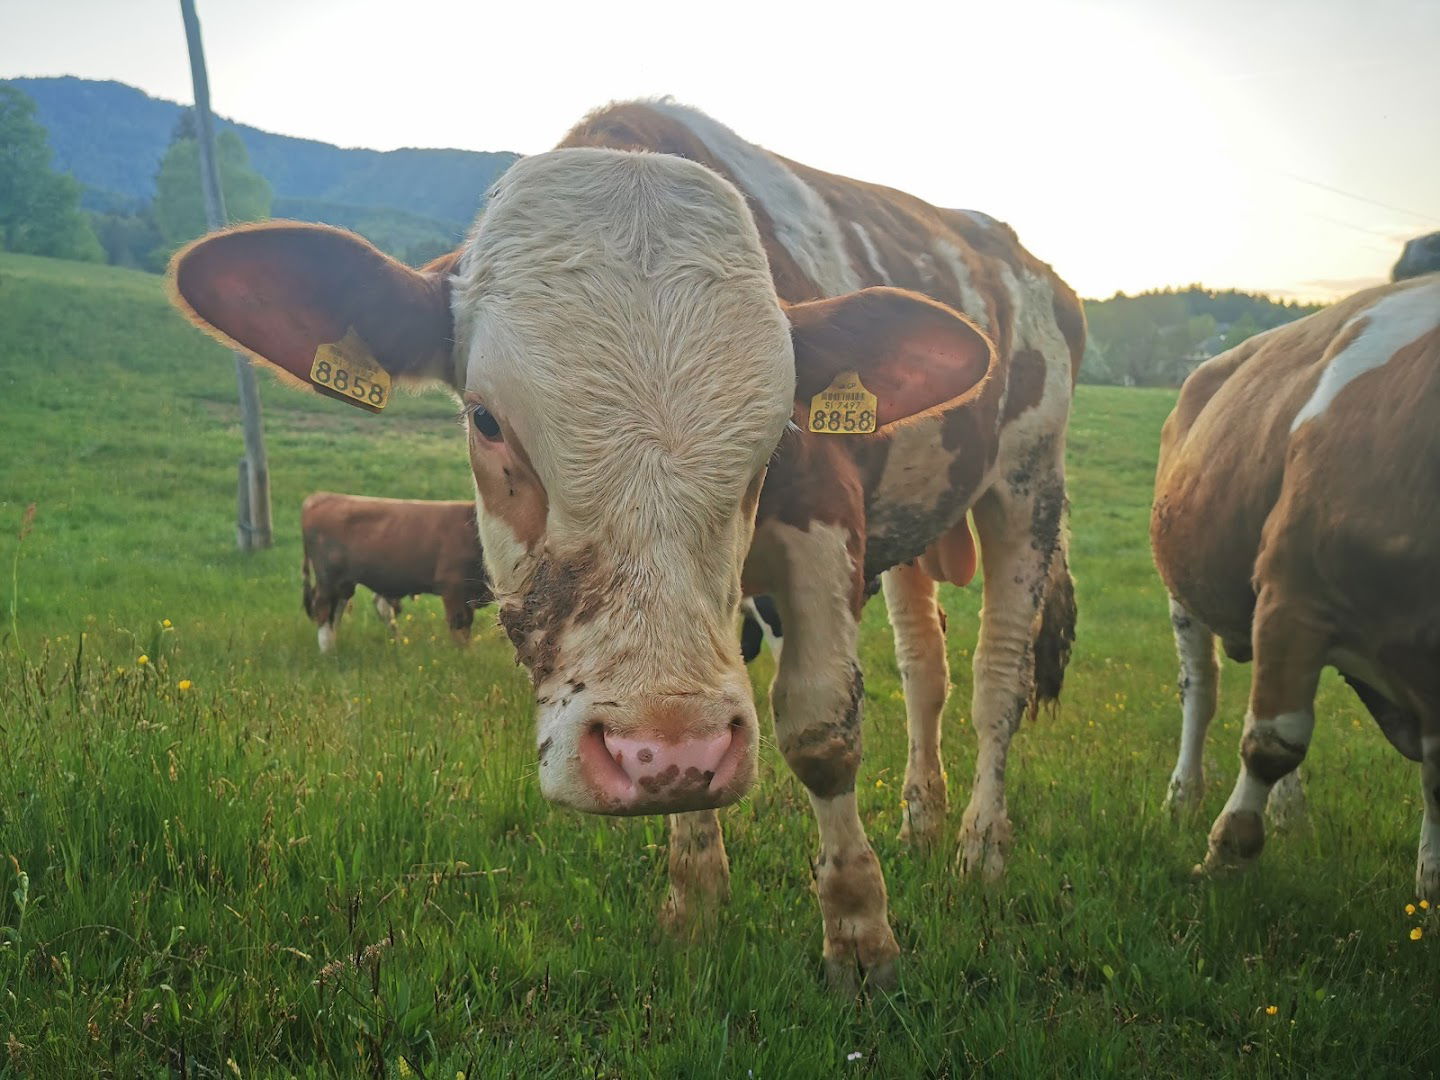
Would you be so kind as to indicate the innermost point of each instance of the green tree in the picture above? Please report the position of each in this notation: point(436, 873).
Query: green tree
point(179, 207)
point(39, 208)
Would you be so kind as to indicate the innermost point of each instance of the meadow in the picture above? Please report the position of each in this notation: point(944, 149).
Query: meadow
point(222, 854)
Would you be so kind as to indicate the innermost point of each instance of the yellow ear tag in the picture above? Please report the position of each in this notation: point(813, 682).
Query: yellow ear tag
point(844, 407)
point(345, 369)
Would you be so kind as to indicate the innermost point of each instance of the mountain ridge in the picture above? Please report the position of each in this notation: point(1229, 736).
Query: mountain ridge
point(111, 136)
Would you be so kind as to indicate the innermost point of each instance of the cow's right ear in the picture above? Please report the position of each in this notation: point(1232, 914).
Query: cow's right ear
point(282, 290)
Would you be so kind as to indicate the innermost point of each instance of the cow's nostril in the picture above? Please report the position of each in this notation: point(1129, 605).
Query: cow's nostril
point(737, 721)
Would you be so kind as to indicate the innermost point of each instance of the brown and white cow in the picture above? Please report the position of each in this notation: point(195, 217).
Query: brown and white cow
point(396, 548)
point(1297, 518)
point(639, 324)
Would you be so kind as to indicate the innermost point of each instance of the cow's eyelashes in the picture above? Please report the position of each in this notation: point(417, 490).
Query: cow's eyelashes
point(485, 423)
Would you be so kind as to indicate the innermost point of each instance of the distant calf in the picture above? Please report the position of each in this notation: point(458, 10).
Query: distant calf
point(396, 548)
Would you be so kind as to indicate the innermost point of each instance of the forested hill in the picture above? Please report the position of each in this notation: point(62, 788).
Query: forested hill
point(1157, 338)
point(111, 137)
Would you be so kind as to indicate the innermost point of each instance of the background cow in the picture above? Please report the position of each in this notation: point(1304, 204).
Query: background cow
point(632, 334)
point(1296, 518)
point(1419, 256)
point(396, 548)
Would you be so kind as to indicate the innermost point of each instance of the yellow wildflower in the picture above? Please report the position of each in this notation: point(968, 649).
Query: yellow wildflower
point(879, 783)
point(1416, 934)
point(1409, 909)
point(184, 684)
point(119, 671)
point(1424, 905)
point(166, 623)
point(142, 660)
point(1271, 1010)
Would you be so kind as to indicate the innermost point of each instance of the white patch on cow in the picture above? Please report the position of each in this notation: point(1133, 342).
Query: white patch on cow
point(872, 256)
point(984, 220)
point(1427, 863)
point(1394, 322)
point(804, 223)
point(971, 302)
point(326, 636)
point(617, 310)
point(767, 632)
point(383, 609)
point(914, 481)
point(1200, 683)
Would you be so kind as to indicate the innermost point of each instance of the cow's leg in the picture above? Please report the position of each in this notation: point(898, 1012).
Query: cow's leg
point(817, 697)
point(1199, 693)
point(1019, 522)
point(329, 607)
point(917, 622)
point(1289, 653)
point(1287, 808)
point(388, 609)
point(459, 615)
point(1427, 863)
point(699, 869)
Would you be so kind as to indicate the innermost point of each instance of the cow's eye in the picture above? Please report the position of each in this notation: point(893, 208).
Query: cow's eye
point(485, 424)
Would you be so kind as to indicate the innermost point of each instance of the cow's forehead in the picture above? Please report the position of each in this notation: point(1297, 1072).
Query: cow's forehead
point(618, 310)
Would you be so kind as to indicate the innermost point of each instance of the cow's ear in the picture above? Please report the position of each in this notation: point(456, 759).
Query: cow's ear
point(913, 354)
point(280, 291)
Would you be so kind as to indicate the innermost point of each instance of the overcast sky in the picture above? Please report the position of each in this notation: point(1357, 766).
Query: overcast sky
point(1285, 146)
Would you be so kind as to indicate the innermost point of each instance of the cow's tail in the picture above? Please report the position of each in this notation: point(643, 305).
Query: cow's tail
point(307, 586)
point(1056, 633)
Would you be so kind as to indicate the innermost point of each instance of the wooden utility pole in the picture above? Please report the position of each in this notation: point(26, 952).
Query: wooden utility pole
point(252, 527)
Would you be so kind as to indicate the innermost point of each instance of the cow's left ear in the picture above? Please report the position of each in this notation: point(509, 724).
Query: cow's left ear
point(912, 353)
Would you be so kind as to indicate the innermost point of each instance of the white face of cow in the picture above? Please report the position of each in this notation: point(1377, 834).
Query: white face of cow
point(627, 375)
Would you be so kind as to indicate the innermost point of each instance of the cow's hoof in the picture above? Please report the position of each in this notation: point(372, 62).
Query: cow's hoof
point(1427, 880)
point(922, 821)
point(854, 966)
point(1286, 809)
point(983, 848)
point(1235, 842)
point(692, 911)
point(1183, 797)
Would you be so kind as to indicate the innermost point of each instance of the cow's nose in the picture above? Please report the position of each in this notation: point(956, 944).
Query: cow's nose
point(654, 771)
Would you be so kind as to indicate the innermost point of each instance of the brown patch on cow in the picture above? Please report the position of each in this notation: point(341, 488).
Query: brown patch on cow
point(544, 749)
point(1070, 318)
point(1268, 757)
point(560, 595)
point(1026, 385)
point(826, 756)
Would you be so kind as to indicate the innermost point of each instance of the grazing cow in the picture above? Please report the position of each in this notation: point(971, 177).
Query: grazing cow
point(647, 323)
point(396, 548)
point(1420, 255)
point(1296, 518)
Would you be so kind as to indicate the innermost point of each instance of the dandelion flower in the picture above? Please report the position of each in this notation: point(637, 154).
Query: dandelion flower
point(1424, 905)
point(1409, 909)
point(142, 659)
point(119, 671)
point(1271, 1010)
point(879, 783)
point(1416, 934)
point(166, 623)
point(184, 684)
point(404, 641)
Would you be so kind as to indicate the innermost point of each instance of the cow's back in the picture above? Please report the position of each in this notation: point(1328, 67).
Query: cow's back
point(827, 235)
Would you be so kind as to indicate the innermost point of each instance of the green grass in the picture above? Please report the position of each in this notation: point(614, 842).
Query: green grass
point(330, 866)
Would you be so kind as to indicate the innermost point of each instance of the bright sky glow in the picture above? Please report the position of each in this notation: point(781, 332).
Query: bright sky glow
point(1131, 144)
